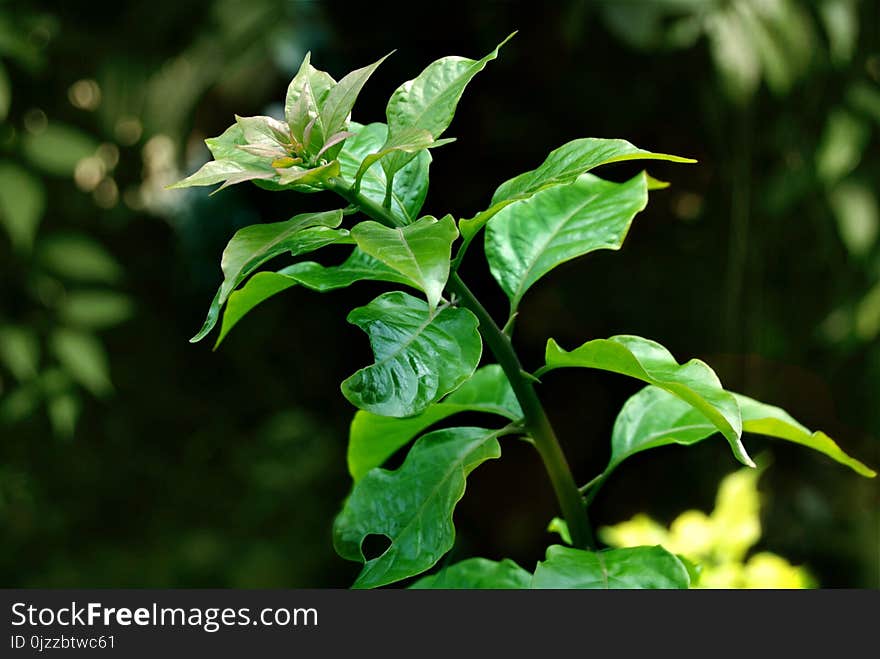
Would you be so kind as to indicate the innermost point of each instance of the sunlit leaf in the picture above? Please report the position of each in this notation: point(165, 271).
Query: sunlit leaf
point(412, 506)
point(420, 356)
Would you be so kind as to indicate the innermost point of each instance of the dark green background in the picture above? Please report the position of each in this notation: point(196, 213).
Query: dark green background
point(226, 468)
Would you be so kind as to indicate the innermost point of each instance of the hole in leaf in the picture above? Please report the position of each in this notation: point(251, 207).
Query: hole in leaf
point(374, 545)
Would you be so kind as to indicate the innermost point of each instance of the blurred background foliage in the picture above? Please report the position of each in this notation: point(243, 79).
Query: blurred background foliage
point(131, 458)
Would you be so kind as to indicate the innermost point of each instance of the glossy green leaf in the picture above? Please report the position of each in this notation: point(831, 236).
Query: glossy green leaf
point(412, 506)
point(763, 419)
point(252, 246)
point(429, 100)
point(22, 203)
point(341, 97)
point(477, 573)
point(524, 241)
point(263, 285)
point(19, 351)
point(373, 438)
point(420, 356)
point(410, 184)
point(563, 165)
point(78, 257)
point(58, 148)
point(568, 162)
point(408, 140)
point(305, 96)
point(628, 568)
point(420, 251)
point(303, 178)
point(693, 382)
point(653, 418)
point(231, 163)
point(83, 358)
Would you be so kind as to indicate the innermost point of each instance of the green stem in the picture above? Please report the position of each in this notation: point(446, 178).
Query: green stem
point(536, 422)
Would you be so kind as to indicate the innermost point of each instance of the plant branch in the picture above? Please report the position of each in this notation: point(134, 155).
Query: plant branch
point(536, 422)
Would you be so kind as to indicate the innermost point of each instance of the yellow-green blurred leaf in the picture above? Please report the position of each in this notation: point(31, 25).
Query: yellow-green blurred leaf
point(95, 309)
point(19, 351)
point(842, 144)
point(63, 412)
point(78, 257)
point(58, 148)
point(83, 357)
point(22, 202)
point(5, 93)
point(867, 322)
point(841, 20)
point(855, 208)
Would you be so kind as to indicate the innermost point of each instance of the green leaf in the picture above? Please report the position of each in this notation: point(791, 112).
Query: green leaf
point(408, 140)
point(307, 179)
point(252, 246)
point(373, 438)
point(20, 351)
point(420, 251)
point(63, 410)
point(412, 506)
point(341, 98)
point(231, 163)
point(410, 184)
point(525, 241)
point(653, 418)
point(78, 257)
point(58, 148)
point(22, 203)
point(477, 573)
point(83, 357)
point(95, 309)
point(631, 567)
point(763, 419)
point(429, 100)
point(693, 382)
point(306, 94)
point(572, 159)
point(563, 165)
point(263, 285)
point(420, 356)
